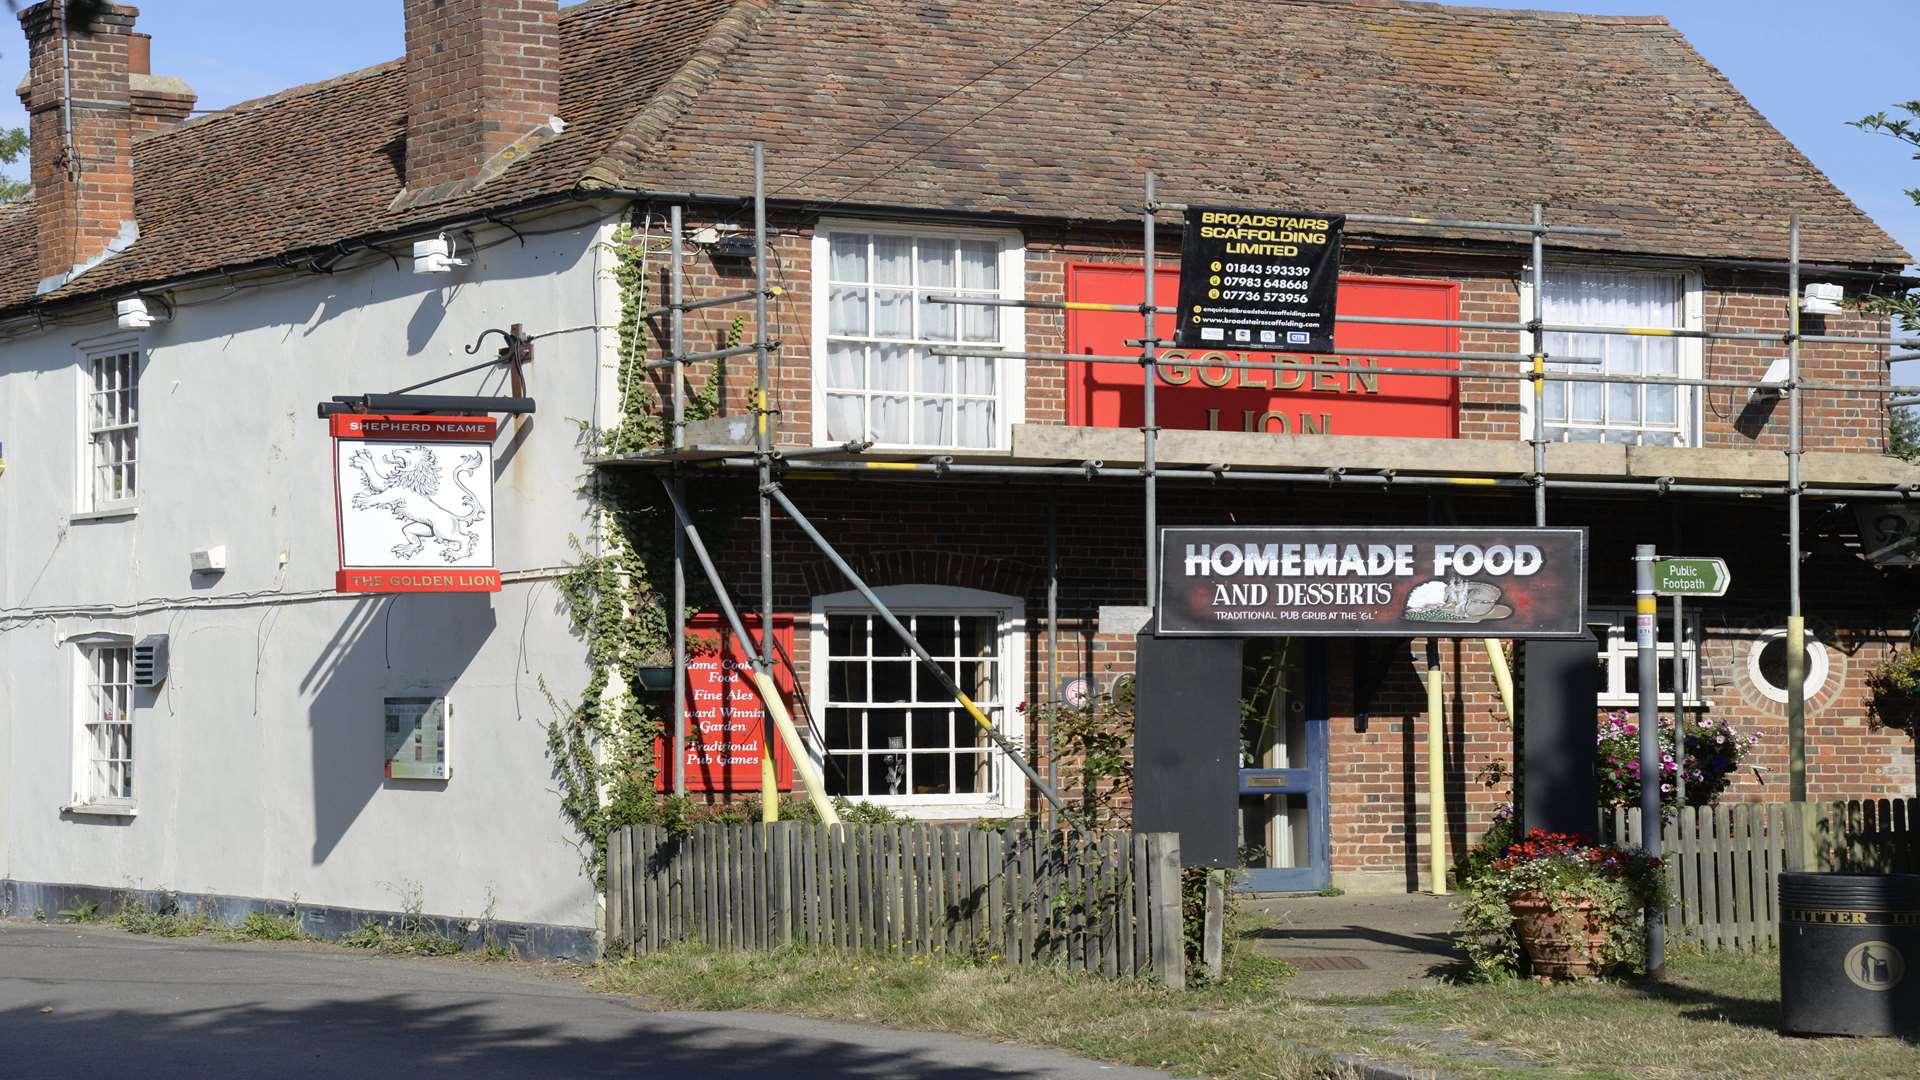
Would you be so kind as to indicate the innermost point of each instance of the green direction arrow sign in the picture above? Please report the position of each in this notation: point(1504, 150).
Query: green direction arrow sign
point(1691, 577)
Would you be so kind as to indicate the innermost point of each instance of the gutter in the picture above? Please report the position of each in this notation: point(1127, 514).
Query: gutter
point(39, 312)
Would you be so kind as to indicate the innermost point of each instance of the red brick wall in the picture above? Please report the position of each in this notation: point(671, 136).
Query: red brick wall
point(1745, 301)
point(992, 536)
point(480, 74)
point(78, 213)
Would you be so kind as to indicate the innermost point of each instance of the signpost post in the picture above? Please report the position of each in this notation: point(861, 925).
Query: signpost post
point(1645, 614)
point(1680, 578)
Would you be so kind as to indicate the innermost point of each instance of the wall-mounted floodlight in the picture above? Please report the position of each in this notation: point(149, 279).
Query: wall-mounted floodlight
point(133, 314)
point(1822, 299)
point(435, 256)
point(1771, 383)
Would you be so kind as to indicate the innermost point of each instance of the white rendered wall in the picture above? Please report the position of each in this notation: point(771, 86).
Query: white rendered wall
point(258, 765)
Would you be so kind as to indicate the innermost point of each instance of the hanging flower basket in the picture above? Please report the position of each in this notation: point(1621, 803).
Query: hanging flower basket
point(1894, 689)
point(1568, 941)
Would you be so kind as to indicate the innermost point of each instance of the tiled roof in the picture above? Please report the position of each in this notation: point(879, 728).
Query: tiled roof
point(319, 164)
point(1048, 108)
point(1358, 106)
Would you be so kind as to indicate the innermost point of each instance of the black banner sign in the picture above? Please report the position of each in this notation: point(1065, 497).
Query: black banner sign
point(1334, 582)
point(1259, 279)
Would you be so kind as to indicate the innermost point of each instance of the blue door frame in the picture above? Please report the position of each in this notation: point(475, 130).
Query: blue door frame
point(1317, 873)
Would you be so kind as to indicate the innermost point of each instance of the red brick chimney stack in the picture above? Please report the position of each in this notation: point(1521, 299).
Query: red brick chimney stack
point(482, 75)
point(158, 100)
point(83, 187)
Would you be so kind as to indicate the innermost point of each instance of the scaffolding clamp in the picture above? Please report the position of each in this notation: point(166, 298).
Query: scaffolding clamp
point(1336, 474)
point(1663, 485)
point(1219, 469)
point(1092, 466)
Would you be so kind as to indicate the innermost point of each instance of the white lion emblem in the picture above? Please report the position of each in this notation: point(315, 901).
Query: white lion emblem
point(407, 490)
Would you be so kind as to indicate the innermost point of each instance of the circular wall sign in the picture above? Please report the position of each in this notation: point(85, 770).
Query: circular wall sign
point(1076, 693)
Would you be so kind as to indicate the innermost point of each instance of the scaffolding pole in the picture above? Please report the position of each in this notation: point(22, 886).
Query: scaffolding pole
point(763, 445)
point(931, 665)
point(1796, 624)
point(1149, 431)
point(1539, 368)
point(677, 341)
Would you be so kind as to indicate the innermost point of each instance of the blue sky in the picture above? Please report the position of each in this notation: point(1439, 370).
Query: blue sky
point(1808, 66)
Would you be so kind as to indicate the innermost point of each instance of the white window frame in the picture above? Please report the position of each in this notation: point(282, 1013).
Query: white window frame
point(87, 799)
point(1690, 353)
point(1012, 403)
point(1617, 647)
point(1813, 680)
point(1009, 782)
point(87, 501)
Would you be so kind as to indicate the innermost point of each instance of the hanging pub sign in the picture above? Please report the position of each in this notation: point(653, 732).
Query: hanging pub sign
point(726, 720)
point(1259, 279)
point(1341, 582)
point(413, 503)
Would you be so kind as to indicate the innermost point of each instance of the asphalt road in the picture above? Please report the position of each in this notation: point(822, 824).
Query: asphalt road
point(90, 1001)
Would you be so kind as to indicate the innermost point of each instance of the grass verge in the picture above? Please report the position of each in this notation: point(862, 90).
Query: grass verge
point(1714, 1017)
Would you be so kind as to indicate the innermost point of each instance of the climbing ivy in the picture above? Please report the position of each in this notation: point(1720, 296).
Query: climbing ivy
point(616, 590)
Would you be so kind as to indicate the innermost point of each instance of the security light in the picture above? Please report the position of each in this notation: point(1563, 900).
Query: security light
point(435, 256)
point(132, 314)
point(1821, 299)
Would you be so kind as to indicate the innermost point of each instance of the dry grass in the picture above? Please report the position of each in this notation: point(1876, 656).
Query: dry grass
point(1715, 1018)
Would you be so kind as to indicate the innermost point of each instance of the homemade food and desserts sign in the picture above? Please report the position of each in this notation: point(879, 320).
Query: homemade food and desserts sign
point(1341, 582)
point(1259, 278)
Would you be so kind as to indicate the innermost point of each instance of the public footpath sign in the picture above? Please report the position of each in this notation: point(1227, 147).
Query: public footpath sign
point(1691, 577)
point(1340, 582)
point(1260, 279)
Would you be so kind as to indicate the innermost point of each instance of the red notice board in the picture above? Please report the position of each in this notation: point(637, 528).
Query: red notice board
point(1194, 394)
point(727, 724)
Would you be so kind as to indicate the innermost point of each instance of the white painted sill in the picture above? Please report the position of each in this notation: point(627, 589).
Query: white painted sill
point(103, 809)
point(110, 513)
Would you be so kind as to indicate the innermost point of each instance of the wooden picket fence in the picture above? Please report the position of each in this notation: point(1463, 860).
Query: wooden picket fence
point(1723, 861)
point(1108, 904)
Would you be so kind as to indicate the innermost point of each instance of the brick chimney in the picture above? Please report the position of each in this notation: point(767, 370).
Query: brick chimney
point(158, 100)
point(483, 81)
point(83, 183)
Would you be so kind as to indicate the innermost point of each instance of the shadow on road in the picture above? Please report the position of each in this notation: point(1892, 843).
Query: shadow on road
point(401, 1035)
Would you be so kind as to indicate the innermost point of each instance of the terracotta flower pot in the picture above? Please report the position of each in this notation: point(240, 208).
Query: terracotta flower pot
point(1560, 944)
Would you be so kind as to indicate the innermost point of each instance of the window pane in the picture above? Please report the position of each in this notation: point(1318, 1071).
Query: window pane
point(938, 322)
point(892, 313)
point(975, 424)
point(890, 419)
point(980, 265)
point(980, 324)
point(934, 422)
point(844, 423)
point(846, 365)
point(846, 680)
point(847, 311)
point(850, 257)
point(1662, 408)
point(932, 729)
point(1624, 404)
point(976, 374)
point(893, 680)
point(843, 775)
point(936, 265)
point(1586, 401)
point(887, 774)
point(892, 260)
point(846, 635)
point(890, 367)
point(933, 374)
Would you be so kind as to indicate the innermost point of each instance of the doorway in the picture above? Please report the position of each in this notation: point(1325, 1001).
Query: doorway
point(1283, 766)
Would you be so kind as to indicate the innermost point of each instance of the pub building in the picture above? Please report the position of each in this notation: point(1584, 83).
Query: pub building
point(234, 610)
point(998, 506)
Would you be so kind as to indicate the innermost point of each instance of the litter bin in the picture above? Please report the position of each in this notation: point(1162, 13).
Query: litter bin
point(1850, 954)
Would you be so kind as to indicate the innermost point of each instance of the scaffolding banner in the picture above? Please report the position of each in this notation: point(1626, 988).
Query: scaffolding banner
point(1358, 582)
point(1260, 279)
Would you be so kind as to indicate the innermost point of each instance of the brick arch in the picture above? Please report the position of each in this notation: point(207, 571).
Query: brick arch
point(922, 566)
